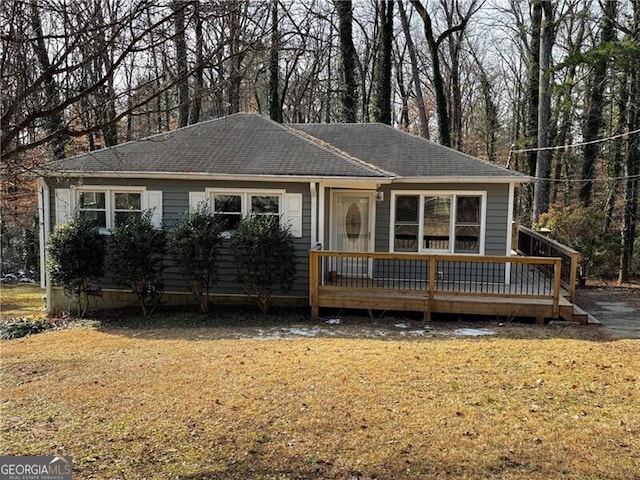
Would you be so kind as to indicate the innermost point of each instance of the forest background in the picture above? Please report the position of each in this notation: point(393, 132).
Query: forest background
point(550, 89)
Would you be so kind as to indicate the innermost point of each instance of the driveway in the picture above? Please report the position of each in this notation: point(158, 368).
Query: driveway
point(618, 309)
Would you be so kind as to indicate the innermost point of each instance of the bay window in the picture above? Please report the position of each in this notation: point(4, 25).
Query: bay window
point(438, 222)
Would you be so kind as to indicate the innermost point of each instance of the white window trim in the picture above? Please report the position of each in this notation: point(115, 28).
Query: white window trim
point(433, 193)
point(109, 200)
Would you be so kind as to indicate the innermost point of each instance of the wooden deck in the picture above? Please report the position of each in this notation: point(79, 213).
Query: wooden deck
point(480, 285)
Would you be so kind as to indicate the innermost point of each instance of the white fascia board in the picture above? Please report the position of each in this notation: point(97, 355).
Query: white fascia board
point(208, 176)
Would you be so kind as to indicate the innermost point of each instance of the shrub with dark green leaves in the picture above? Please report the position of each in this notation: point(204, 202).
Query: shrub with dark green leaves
point(582, 229)
point(265, 257)
point(19, 328)
point(135, 252)
point(194, 245)
point(76, 258)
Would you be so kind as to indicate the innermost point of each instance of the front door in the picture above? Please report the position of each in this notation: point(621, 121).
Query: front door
point(352, 229)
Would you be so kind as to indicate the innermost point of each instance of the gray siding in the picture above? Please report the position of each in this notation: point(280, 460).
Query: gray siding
point(175, 201)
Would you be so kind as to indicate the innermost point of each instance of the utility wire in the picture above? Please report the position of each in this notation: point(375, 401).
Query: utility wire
point(572, 145)
point(586, 180)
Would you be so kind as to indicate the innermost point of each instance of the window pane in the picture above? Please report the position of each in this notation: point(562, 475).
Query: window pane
point(121, 217)
point(467, 239)
point(406, 238)
point(227, 203)
point(230, 221)
point(128, 201)
point(97, 218)
point(468, 210)
point(437, 218)
point(407, 208)
point(265, 204)
point(92, 200)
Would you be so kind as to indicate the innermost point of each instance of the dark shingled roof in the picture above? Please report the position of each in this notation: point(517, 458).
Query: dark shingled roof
point(252, 145)
point(240, 144)
point(404, 154)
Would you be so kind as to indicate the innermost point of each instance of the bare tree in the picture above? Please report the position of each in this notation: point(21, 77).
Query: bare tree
point(415, 72)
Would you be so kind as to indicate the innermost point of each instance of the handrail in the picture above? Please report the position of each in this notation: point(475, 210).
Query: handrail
point(423, 270)
point(543, 238)
point(571, 258)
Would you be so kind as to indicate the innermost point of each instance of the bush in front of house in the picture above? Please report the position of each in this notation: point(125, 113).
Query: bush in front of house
point(76, 258)
point(194, 245)
point(265, 257)
point(135, 251)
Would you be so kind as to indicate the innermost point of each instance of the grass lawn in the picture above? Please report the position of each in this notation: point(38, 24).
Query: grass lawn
point(188, 403)
point(20, 300)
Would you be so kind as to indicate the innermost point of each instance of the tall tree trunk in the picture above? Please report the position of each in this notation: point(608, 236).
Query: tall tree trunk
point(235, 78)
point(108, 102)
point(344, 9)
point(632, 165)
point(595, 106)
point(415, 71)
point(615, 161)
point(543, 165)
point(533, 99)
point(181, 59)
point(275, 112)
point(444, 127)
point(382, 68)
point(53, 122)
point(198, 75)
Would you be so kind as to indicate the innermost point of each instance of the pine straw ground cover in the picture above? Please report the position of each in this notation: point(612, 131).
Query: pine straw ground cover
point(181, 403)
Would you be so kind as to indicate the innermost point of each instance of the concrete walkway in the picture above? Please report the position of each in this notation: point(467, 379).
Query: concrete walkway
point(617, 309)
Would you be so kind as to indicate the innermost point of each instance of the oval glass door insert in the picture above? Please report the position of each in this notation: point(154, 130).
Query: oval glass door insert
point(353, 222)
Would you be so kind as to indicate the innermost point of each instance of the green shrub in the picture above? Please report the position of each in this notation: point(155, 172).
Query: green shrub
point(76, 257)
point(195, 246)
point(582, 229)
point(135, 251)
point(265, 257)
point(22, 327)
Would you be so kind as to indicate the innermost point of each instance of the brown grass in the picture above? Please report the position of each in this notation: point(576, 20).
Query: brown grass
point(20, 300)
point(131, 404)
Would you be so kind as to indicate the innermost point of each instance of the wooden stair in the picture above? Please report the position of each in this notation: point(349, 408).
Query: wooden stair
point(573, 313)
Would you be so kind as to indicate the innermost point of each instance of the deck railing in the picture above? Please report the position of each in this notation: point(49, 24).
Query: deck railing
point(431, 275)
point(532, 243)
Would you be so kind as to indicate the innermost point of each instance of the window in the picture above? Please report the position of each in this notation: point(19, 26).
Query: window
point(108, 207)
point(407, 223)
point(125, 204)
point(467, 225)
point(437, 222)
point(92, 206)
point(229, 209)
point(265, 204)
point(436, 225)
point(233, 206)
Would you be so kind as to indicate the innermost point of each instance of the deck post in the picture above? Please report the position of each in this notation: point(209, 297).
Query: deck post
point(557, 271)
point(432, 286)
point(573, 277)
point(314, 258)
